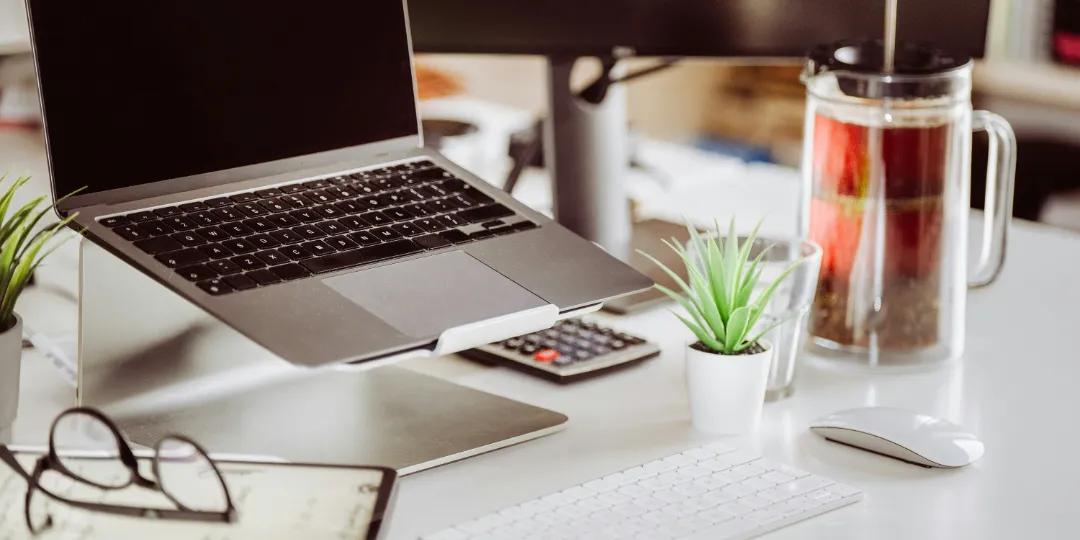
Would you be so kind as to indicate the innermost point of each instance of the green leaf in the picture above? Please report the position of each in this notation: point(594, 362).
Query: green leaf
point(716, 277)
point(743, 298)
point(5, 201)
point(674, 277)
point(705, 301)
point(707, 340)
point(731, 254)
point(738, 327)
point(744, 253)
point(685, 303)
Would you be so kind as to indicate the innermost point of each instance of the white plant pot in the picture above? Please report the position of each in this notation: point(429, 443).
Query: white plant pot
point(727, 393)
point(10, 362)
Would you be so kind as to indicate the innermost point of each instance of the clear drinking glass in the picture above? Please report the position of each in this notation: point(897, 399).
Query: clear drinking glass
point(887, 194)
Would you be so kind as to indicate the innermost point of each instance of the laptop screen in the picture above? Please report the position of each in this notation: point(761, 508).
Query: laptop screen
point(137, 91)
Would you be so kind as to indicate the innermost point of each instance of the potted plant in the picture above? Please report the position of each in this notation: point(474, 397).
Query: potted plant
point(23, 245)
point(728, 367)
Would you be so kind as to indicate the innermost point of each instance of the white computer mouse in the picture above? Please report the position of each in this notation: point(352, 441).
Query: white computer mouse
point(901, 434)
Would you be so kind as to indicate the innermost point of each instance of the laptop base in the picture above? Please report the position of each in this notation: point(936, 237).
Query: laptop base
point(158, 365)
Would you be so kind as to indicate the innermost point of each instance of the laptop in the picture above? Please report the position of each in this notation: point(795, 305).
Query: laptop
point(264, 160)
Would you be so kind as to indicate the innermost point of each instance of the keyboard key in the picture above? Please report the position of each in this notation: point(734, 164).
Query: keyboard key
point(376, 218)
point(227, 214)
point(237, 229)
point(306, 216)
point(432, 241)
point(398, 198)
point(179, 223)
point(456, 236)
point(196, 272)
point(274, 206)
point(365, 188)
point(291, 271)
point(204, 219)
point(240, 282)
point(318, 248)
point(407, 229)
point(292, 188)
point(215, 287)
point(353, 223)
point(343, 192)
point(189, 239)
point(262, 241)
point(317, 184)
point(268, 193)
point(420, 210)
point(283, 220)
point(157, 245)
point(399, 214)
point(286, 236)
point(309, 232)
point(385, 234)
point(442, 206)
point(197, 206)
point(183, 257)
point(371, 203)
point(167, 211)
point(429, 224)
point(252, 209)
point(239, 245)
point(153, 228)
point(243, 197)
point(219, 202)
point(224, 267)
point(329, 211)
point(321, 197)
point(140, 217)
point(115, 221)
point(332, 228)
point(216, 251)
point(361, 256)
point(248, 262)
point(260, 224)
point(341, 243)
point(295, 253)
point(264, 277)
point(485, 213)
point(297, 201)
point(272, 257)
point(365, 237)
point(349, 207)
point(843, 490)
point(452, 220)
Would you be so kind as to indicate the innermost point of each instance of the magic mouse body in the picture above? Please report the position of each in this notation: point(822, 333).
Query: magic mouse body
point(901, 434)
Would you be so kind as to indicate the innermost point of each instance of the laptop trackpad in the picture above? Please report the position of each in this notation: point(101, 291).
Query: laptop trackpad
point(422, 298)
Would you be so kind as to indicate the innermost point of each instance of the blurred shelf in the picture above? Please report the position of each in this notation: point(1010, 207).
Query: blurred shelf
point(1052, 85)
point(13, 46)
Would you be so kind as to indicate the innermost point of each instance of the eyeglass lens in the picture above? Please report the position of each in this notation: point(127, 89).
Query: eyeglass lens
point(188, 476)
point(80, 435)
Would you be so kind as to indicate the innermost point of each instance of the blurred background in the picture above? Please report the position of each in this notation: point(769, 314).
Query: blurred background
point(754, 113)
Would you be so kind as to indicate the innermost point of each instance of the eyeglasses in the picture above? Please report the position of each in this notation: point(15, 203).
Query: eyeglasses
point(181, 469)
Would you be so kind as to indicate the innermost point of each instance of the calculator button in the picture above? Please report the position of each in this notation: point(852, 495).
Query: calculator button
point(546, 355)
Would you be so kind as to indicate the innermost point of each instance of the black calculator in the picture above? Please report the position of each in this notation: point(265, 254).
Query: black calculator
point(574, 349)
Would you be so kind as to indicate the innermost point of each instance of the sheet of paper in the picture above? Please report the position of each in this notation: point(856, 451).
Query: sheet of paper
point(274, 501)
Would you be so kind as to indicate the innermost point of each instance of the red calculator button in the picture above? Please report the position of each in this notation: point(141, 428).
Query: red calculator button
point(546, 355)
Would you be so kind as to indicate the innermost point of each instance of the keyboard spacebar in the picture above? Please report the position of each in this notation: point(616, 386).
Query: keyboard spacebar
point(356, 257)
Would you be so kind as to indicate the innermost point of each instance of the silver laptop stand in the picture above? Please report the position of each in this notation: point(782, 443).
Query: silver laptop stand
point(158, 365)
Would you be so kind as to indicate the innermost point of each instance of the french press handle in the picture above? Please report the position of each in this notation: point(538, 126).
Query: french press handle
point(1000, 184)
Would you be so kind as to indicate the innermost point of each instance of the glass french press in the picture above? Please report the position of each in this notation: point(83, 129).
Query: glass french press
point(886, 180)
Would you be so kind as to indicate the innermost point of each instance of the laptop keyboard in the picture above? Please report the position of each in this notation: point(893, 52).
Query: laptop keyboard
point(289, 232)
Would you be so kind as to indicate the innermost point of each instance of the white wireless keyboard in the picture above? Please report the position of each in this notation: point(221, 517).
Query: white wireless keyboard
point(715, 492)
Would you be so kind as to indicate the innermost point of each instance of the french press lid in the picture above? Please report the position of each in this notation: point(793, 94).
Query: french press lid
point(918, 67)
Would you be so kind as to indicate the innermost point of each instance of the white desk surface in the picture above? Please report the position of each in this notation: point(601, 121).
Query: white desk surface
point(1016, 387)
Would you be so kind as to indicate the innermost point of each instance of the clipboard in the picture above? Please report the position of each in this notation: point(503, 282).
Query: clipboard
point(274, 500)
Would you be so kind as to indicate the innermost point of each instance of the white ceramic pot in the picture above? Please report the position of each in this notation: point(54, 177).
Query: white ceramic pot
point(10, 361)
point(727, 393)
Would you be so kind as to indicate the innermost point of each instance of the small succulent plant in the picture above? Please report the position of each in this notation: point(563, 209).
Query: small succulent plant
point(22, 248)
point(718, 296)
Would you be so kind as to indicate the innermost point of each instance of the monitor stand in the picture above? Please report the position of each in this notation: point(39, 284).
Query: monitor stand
point(158, 364)
point(586, 150)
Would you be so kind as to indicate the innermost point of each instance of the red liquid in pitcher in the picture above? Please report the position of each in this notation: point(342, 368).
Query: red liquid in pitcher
point(904, 312)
